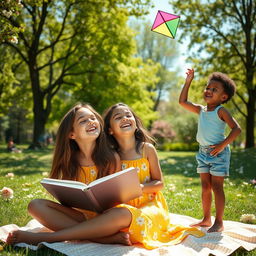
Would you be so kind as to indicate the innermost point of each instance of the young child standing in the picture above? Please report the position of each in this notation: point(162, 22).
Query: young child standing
point(213, 157)
point(150, 224)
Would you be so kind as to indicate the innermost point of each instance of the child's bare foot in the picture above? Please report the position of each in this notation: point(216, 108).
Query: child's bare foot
point(203, 223)
point(216, 227)
point(118, 238)
point(19, 236)
point(11, 239)
point(121, 238)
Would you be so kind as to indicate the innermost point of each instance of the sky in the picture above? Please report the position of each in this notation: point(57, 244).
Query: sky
point(163, 5)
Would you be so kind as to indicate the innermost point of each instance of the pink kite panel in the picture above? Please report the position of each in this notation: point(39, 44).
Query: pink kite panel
point(158, 20)
point(168, 16)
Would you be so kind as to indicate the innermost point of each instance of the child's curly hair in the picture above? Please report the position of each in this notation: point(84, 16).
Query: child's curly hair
point(228, 84)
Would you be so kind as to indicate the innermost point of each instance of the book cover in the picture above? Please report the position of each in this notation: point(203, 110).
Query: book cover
point(99, 195)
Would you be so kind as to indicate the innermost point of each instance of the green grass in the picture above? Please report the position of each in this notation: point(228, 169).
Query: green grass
point(182, 187)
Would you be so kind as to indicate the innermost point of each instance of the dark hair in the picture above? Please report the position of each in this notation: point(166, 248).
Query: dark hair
point(228, 84)
point(65, 163)
point(141, 134)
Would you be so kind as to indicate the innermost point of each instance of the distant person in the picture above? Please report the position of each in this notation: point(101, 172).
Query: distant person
point(11, 146)
point(213, 157)
point(49, 140)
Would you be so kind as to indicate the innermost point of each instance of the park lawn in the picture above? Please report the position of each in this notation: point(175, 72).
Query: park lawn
point(182, 187)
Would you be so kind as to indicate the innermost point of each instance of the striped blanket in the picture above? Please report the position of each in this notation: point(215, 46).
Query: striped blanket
point(234, 236)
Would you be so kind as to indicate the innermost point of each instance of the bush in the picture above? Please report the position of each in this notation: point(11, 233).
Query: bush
point(179, 146)
point(162, 131)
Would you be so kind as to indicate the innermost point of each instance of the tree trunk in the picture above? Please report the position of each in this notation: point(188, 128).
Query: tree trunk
point(18, 129)
point(40, 120)
point(250, 120)
point(40, 115)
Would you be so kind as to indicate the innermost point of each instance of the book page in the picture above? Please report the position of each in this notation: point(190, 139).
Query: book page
point(65, 183)
point(108, 177)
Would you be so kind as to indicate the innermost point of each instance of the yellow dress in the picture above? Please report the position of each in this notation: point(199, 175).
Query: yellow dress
point(150, 224)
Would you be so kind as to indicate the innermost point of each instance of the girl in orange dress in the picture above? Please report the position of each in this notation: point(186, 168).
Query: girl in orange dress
point(150, 225)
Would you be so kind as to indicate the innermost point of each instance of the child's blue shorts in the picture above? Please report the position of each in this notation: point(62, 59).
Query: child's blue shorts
point(215, 165)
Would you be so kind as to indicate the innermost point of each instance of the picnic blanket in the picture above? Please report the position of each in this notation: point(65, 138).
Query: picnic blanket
point(235, 235)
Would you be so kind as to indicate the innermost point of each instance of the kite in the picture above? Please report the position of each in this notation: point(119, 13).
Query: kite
point(166, 24)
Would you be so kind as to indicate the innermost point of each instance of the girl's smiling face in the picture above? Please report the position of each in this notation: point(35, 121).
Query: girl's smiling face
point(122, 121)
point(86, 125)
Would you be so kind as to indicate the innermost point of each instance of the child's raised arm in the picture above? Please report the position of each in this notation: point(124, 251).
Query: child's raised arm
point(183, 100)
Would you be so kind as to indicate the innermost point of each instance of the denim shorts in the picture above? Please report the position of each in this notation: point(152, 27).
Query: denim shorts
point(215, 165)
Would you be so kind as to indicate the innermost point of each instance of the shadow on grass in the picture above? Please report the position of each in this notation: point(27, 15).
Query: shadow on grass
point(26, 163)
point(242, 165)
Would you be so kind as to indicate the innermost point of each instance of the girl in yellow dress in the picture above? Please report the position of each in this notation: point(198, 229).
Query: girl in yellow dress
point(150, 224)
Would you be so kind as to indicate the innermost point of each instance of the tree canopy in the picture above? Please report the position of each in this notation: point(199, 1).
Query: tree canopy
point(80, 50)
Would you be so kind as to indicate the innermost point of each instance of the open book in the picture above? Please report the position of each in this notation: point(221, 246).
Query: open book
point(99, 195)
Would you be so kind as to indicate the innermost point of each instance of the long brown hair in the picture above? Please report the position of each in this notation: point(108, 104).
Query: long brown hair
point(141, 134)
point(65, 163)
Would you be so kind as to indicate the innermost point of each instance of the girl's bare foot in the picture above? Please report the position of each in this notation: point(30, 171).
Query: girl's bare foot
point(11, 239)
point(216, 227)
point(203, 223)
point(118, 238)
point(19, 236)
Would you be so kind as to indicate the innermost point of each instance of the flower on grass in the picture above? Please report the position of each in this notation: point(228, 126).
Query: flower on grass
point(248, 218)
point(45, 174)
point(171, 187)
point(253, 182)
point(26, 184)
point(9, 175)
point(6, 193)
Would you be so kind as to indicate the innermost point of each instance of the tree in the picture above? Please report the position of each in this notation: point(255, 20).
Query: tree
point(56, 42)
point(223, 36)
